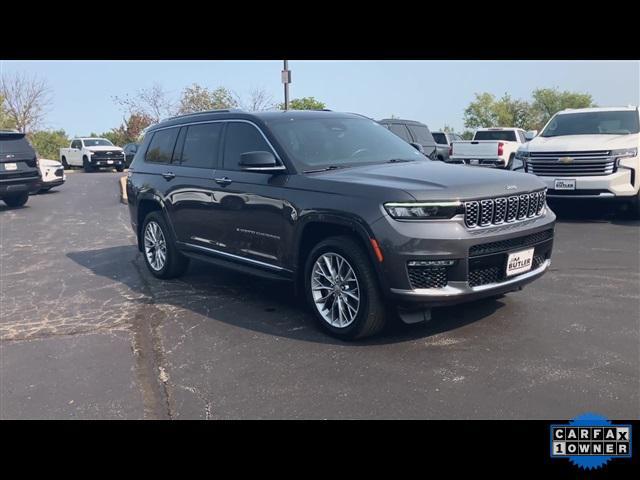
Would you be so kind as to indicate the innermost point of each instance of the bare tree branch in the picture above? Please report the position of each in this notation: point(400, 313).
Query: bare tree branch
point(26, 100)
point(259, 100)
point(151, 102)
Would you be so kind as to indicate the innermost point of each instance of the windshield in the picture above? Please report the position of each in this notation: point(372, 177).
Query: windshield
point(503, 135)
point(97, 142)
point(621, 122)
point(314, 143)
point(439, 138)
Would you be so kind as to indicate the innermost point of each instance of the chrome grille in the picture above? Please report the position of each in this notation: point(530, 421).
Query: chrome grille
point(504, 209)
point(575, 164)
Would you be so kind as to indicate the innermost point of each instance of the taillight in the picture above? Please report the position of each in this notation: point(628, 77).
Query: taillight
point(450, 149)
point(500, 148)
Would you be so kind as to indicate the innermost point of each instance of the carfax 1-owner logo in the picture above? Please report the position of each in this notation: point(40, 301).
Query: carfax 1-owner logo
point(589, 441)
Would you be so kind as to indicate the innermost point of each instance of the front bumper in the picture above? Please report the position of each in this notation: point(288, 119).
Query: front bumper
point(618, 184)
point(104, 161)
point(479, 257)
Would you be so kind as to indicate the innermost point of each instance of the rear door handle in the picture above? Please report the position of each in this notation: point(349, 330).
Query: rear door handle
point(224, 181)
point(169, 175)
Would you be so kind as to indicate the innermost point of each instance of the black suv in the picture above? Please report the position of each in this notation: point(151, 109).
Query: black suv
point(355, 217)
point(19, 171)
point(413, 132)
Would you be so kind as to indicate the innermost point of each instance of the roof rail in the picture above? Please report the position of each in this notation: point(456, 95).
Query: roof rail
point(203, 112)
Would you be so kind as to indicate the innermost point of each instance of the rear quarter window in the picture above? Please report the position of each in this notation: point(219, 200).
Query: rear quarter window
point(421, 134)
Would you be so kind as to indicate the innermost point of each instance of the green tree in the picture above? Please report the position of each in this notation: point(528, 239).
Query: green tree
point(5, 119)
point(305, 103)
point(130, 131)
point(481, 112)
point(467, 135)
point(197, 98)
point(548, 101)
point(48, 143)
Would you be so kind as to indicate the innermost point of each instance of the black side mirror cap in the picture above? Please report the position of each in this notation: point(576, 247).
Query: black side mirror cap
point(259, 161)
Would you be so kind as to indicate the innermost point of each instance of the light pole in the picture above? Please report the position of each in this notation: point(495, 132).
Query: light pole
point(286, 79)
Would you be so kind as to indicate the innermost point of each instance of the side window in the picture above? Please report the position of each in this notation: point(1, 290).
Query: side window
point(161, 147)
point(201, 145)
point(401, 131)
point(177, 151)
point(240, 138)
point(421, 134)
point(75, 144)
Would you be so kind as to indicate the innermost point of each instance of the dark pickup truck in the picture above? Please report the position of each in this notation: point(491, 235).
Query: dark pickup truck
point(19, 172)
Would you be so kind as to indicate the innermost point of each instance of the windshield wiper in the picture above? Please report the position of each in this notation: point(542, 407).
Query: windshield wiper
point(324, 169)
point(400, 160)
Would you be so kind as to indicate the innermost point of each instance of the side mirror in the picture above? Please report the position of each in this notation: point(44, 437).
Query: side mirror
point(530, 135)
point(259, 162)
point(418, 147)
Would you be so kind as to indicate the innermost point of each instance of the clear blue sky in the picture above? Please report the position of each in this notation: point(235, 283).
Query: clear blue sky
point(435, 92)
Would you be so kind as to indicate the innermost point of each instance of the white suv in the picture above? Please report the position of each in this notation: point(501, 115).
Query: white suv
point(588, 153)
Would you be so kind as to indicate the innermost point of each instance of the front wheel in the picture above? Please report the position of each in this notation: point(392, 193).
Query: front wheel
point(342, 289)
point(17, 200)
point(159, 250)
point(634, 207)
point(120, 168)
point(87, 165)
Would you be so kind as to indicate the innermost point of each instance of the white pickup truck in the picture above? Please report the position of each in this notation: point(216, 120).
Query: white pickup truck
point(490, 147)
point(92, 154)
point(589, 154)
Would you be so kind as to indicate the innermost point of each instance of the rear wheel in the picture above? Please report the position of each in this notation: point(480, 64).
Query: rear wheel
point(17, 200)
point(64, 162)
point(342, 289)
point(159, 250)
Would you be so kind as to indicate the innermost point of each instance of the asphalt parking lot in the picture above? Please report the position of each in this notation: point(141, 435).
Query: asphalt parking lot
point(86, 332)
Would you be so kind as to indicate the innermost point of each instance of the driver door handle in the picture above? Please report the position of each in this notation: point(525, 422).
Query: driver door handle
point(169, 175)
point(224, 181)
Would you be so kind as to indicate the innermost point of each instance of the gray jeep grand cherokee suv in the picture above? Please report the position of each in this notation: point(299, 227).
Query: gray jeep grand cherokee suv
point(355, 217)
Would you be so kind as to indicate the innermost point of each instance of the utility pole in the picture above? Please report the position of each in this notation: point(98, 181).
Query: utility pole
point(286, 79)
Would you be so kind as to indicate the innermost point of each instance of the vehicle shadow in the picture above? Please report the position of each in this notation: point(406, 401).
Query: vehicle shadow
point(252, 303)
point(6, 208)
point(589, 211)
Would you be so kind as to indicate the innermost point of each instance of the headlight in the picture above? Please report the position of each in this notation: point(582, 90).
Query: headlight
point(624, 153)
point(423, 210)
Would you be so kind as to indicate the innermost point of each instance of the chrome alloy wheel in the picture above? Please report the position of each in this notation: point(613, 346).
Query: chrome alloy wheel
point(155, 246)
point(335, 290)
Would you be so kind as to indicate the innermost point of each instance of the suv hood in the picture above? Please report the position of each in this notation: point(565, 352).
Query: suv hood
point(578, 143)
point(431, 180)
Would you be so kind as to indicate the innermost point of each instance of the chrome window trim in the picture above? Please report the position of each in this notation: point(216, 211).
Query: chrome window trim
point(229, 120)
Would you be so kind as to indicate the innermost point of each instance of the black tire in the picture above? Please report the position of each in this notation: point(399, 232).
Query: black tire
point(17, 200)
point(371, 315)
point(120, 168)
point(634, 207)
point(64, 162)
point(510, 162)
point(88, 168)
point(176, 263)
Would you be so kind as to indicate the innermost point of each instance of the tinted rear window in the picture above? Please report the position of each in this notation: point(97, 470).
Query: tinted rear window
point(440, 138)
point(421, 134)
point(503, 135)
point(161, 146)
point(10, 143)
